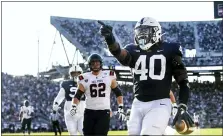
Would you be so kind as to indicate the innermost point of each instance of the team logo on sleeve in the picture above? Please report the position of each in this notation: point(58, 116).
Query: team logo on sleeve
point(81, 77)
point(111, 73)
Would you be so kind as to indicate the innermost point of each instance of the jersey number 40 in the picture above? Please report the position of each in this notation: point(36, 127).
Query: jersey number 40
point(143, 71)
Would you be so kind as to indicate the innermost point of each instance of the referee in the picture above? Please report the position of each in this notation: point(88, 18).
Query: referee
point(54, 117)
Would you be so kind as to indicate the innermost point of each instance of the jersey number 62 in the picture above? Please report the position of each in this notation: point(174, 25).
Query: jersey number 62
point(97, 90)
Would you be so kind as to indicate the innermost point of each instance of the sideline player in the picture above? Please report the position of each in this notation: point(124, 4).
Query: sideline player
point(196, 120)
point(25, 115)
point(153, 63)
point(67, 90)
point(97, 86)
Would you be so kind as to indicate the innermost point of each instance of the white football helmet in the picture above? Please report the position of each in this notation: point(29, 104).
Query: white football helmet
point(75, 68)
point(147, 32)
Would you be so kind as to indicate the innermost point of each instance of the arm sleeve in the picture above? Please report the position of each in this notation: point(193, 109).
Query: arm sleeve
point(128, 60)
point(124, 55)
point(180, 75)
point(60, 96)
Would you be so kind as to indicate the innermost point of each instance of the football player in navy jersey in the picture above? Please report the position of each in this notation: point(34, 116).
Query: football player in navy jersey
point(68, 88)
point(153, 63)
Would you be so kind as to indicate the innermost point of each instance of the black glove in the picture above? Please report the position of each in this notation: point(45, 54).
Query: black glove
point(182, 114)
point(106, 31)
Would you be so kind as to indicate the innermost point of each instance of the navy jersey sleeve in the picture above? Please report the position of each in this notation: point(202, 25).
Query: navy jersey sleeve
point(130, 49)
point(177, 50)
point(179, 69)
point(180, 74)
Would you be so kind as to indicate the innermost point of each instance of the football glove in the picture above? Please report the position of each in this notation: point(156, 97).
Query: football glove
point(73, 110)
point(121, 112)
point(174, 109)
point(106, 31)
point(127, 115)
point(56, 106)
point(182, 114)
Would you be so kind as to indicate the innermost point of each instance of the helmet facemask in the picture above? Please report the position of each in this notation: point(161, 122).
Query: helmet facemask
point(146, 36)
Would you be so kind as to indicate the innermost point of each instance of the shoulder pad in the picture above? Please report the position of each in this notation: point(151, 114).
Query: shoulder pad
point(80, 77)
point(130, 47)
point(111, 73)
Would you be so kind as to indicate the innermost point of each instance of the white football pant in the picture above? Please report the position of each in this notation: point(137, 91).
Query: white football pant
point(74, 123)
point(149, 118)
point(169, 131)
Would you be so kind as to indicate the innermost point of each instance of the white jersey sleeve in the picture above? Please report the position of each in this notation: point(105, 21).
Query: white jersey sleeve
point(112, 75)
point(60, 96)
point(82, 79)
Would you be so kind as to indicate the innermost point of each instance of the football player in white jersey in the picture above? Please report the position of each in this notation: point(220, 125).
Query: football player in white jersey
point(196, 120)
point(67, 90)
point(25, 115)
point(97, 86)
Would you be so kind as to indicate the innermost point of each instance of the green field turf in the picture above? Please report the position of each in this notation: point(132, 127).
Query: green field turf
point(214, 131)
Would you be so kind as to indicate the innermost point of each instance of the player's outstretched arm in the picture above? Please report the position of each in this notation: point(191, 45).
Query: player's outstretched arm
point(59, 98)
point(122, 55)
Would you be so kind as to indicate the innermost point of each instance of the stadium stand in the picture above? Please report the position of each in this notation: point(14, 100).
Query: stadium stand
point(204, 36)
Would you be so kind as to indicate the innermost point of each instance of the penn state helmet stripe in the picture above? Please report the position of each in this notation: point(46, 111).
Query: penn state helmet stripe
point(141, 21)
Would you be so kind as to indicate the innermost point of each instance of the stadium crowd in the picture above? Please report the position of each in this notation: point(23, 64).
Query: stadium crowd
point(204, 36)
point(210, 36)
point(205, 100)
